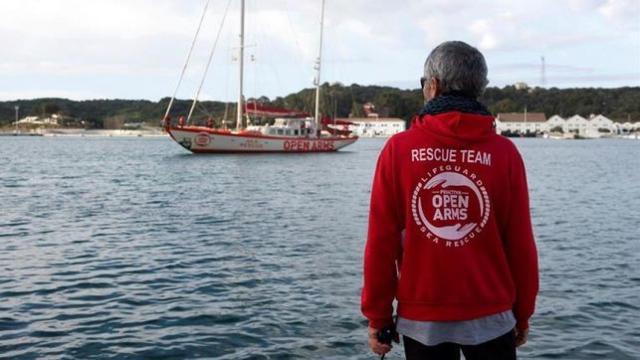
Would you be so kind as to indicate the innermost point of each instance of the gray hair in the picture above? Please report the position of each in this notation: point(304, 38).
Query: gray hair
point(458, 67)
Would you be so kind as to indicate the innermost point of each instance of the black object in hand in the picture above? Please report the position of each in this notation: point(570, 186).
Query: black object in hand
point(386, 336)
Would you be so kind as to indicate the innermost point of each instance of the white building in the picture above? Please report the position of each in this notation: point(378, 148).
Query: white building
point(555, 122)
point(30, 120)
point(376, 127)
point(35, 120)
point(599, 125)
point(576, 125)
point(521, 123)
point(594, 127)
point(628, 127)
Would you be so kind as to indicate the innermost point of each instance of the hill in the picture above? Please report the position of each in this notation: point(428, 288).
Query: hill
point(619, 104)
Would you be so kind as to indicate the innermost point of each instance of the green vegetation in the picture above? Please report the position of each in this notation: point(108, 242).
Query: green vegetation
point(619, 104)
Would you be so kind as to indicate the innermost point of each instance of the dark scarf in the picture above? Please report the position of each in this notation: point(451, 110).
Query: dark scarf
point(453, 102)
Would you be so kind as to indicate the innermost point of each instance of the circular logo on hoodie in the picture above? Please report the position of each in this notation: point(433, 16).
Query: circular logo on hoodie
point(450, 205)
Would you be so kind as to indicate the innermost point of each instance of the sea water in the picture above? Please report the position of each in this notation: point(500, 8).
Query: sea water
point(133, 248)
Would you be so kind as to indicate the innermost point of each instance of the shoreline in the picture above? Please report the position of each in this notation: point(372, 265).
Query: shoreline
point(156, 133)
point(88, 133)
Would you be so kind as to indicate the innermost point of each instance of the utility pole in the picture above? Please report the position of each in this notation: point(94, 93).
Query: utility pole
point(17, 108)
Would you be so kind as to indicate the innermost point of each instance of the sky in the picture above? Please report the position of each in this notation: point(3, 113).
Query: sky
point(135, 49)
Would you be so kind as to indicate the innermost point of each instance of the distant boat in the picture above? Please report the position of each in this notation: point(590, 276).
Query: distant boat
point(292, 131)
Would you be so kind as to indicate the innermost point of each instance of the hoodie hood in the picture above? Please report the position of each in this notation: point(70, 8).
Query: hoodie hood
point(455, 119)
point(457, 128)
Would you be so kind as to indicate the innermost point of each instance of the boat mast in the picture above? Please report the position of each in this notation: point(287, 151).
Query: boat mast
point(206, 69)
point(241, 61)
point(318, 69)
point(186, 62)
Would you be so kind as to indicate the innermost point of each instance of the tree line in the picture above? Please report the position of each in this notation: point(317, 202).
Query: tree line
point(619, 104)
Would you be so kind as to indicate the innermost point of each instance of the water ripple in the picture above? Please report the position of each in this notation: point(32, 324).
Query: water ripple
point(131, 249)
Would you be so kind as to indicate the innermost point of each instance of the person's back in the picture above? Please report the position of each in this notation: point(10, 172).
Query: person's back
point(449, 231)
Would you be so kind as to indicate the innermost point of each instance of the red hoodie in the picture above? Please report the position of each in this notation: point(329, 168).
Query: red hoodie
point(450, 234)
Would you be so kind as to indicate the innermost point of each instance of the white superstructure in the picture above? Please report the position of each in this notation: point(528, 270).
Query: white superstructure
point(376, 127)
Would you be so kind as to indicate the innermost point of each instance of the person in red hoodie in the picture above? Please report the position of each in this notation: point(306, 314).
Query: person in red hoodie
point(450, 236)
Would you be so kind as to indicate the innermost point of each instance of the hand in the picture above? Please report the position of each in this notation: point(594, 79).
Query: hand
point(376, 346)
point(521, 337)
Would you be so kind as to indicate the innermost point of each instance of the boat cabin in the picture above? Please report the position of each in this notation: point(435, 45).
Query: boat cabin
point(287, 127)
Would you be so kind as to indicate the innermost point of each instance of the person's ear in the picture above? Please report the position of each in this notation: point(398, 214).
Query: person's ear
point(434, 88)
point(425, 91)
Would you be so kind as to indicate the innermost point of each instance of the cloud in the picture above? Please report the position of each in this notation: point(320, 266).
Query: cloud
point(50, 93)
point(485, 33)
point(502, 26)
point(125, 47)
point(549, 67)
point(624, 13)
point(584, 5)
point(436, 29)
point(633, 78)
point(86, 19)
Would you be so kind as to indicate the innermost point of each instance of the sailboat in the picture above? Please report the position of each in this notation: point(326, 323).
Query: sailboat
point(291, 131)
